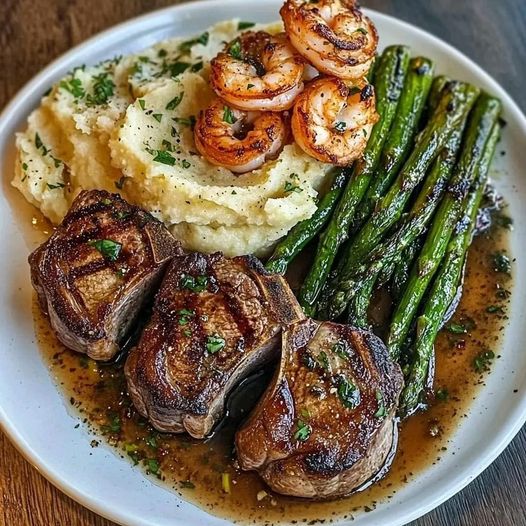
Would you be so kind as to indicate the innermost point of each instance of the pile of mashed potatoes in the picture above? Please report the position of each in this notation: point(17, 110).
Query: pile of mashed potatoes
point(125, 125)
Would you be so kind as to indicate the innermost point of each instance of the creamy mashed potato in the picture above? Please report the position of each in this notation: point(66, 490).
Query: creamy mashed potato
point(126, 125)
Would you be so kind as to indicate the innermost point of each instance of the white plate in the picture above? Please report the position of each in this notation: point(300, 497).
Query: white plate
point(32, 411)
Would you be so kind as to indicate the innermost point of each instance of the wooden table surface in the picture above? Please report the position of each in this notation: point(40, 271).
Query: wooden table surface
point(33, 32)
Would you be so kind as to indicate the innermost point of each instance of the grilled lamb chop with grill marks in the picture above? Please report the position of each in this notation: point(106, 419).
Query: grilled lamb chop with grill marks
point(214, 321)
point(94, 273)
point(326, 424)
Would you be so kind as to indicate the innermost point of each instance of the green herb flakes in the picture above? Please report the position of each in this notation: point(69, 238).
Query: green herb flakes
point(120, 183)
point(214, 344)
point(175, 102)
point(164, 157)
point(501, 263)
point(340, 126)
point(153, 466)
point(103, 88)
point(178, 67)
point(244, 25)
point(303, 431)
point(228, 115)
point(195, 284)
point(442, 394)
point(187, 484)
point(483, 360)
point(188, 44)
point(158, 117)
point(142, 103)
point(234, 49)
point(348, 393)
point(52, 186)
point(184, 316)
point(291, 187)
point(109, 249)
point(381, 411)
point(73, 86)
point(198, 66)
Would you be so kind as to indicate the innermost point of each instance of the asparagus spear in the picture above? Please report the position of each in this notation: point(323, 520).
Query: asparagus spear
point(402, 134)
point(455, 102)
point(402, 269)
point(446, 284)
point(305, 231)
point(413, 226)
point(481, 123)
point(389, 79)
point(402, 266)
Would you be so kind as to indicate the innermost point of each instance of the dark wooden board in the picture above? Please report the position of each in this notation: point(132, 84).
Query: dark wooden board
point(493, 33)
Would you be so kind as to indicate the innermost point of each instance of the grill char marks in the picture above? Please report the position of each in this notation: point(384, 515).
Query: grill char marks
point(203, 339)
point(325, 425)
point(93, 289)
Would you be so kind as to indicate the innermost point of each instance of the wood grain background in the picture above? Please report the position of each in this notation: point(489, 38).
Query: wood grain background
point(493, 33)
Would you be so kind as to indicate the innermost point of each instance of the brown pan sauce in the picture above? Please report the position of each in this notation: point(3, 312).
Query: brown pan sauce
point(206, 473)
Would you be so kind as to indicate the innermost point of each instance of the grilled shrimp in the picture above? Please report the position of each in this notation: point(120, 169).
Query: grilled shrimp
point(332, 121)
point(333, 35)
point(238, 140)
point(258, 72)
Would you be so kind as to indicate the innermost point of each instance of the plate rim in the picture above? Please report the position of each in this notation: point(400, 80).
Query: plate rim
point(516, 417)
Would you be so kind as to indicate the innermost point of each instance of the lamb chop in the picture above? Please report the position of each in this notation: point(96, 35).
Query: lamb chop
point(215, 320)
point(326, 425)
point(95, 272)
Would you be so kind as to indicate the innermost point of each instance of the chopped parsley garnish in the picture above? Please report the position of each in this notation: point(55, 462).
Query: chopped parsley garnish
point(178, 67)
point(341, 349)
point(461, 328)
point(195, 284)
point(120, 183)
point(198, 66)
point(109, 249)
point(184, 316)
point(162, 53)
point(201, 39)
point(290, 187)
point(234, 49)
point(250, 86)
point(495, 309)
point(303, 431)
point(187, 484)
point(349, 393)
point(158, 117)
point(152, 465)
point(24, 166)
point(175, 102)
point(228, 115)
point(56, 162)
point(120, 215)
point(244, 25)
point(73, 86)
point(381, 411)
point(361, 30)
point(164, 157)
point(187, 333)
point(308, 361)
point(186, 121)
point(142, 103)
point(55, 186)
point(442, 394)
point(483, 360)
point(102, 90)
point(167, 145)
point(214, 344)
point(114, 424)
point(323, 360)
point(503, 221)
point(151, 441)
point(501, 263)
point(185, 164)
point(340, 126)
point(38, 141)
